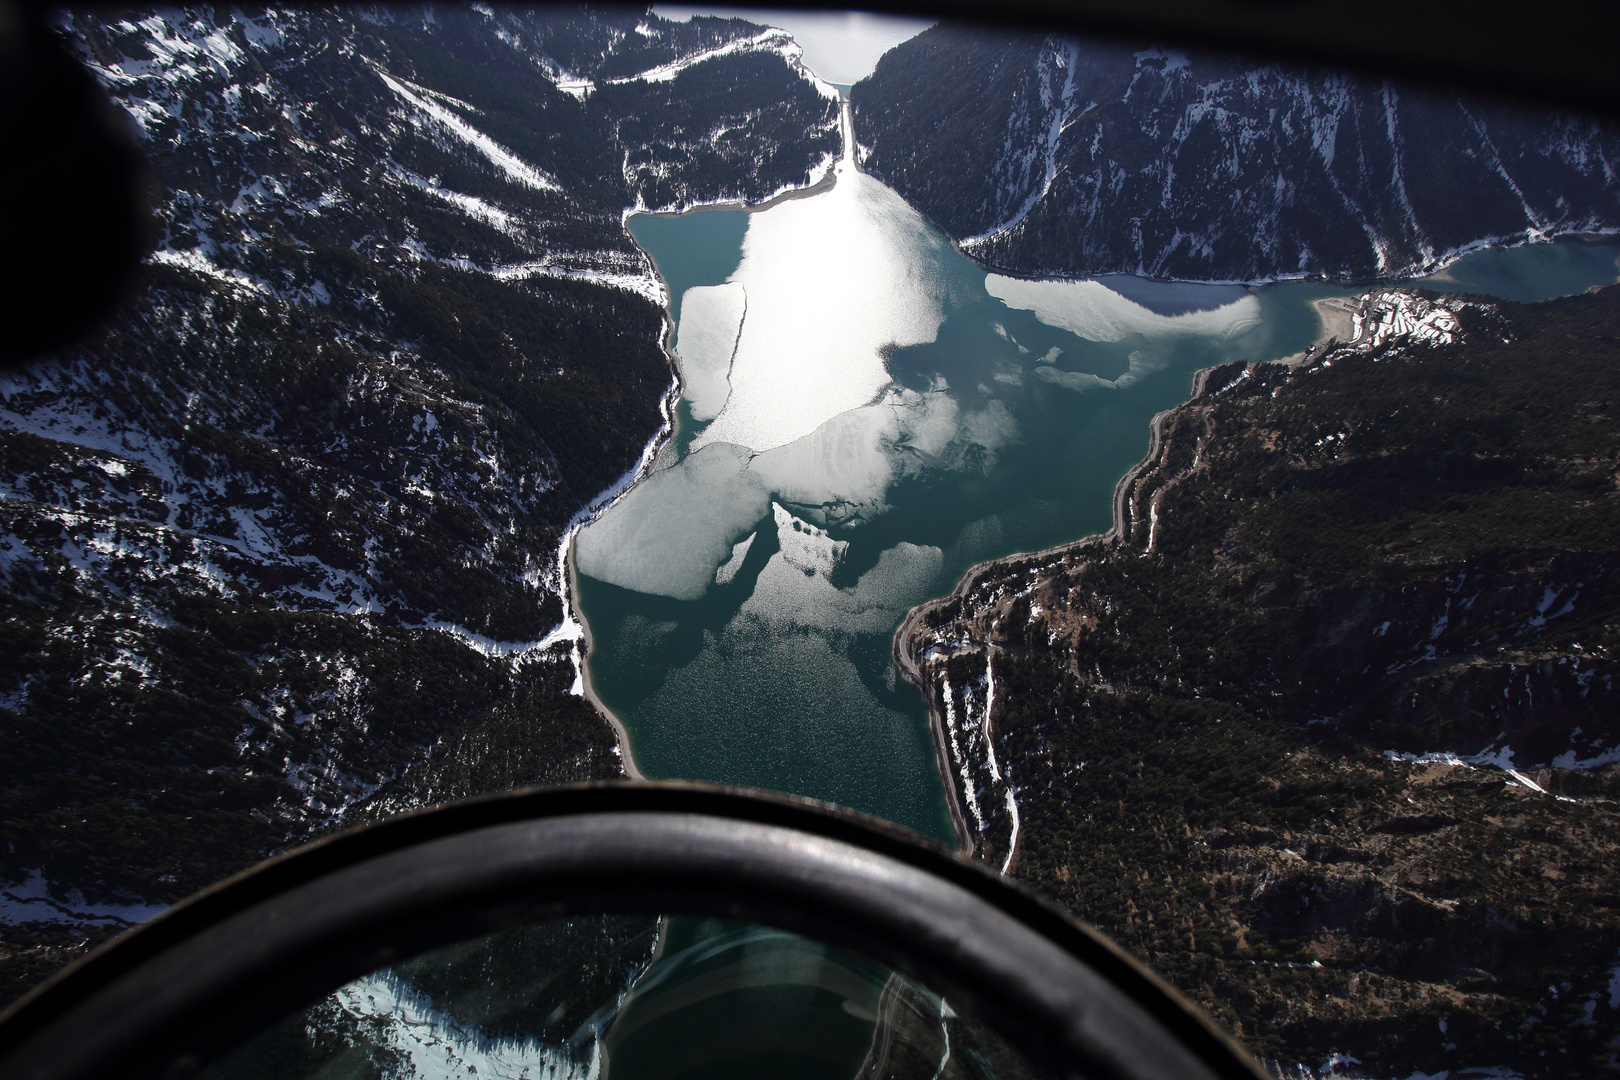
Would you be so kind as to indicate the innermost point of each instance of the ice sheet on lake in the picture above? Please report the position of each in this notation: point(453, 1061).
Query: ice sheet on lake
point(844, 465)
point(1141, 364)
point(795, 588)
point(785, 596)
point(901, 573)
point(806, 547)
point(844, 468)
point(739, 551)
point(788, 357)
point(831, 281)
point(671, 531)
point(1172, 297)
point(1091, 310)
point(989, 428)
point(711, 317)
point(677, 532)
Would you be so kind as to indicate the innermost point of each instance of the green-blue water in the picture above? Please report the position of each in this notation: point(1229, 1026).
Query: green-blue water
point(772, 682)
point(1531, 272)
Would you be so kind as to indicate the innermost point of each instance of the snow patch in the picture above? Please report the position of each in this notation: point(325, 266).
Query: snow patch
point(1501, 759)
point(32, 902)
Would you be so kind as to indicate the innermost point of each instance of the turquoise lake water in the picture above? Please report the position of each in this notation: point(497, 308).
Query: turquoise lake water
point(996, 418)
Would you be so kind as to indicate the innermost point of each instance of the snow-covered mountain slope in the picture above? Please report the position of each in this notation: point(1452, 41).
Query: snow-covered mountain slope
point(280, 547)
point(1045, 154)
point(508, 143)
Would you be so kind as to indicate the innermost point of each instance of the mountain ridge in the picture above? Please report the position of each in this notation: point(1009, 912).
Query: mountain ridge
point(1043, 155)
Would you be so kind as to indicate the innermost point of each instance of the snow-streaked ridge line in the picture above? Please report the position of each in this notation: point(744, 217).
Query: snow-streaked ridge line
point(644, 285)
point(768, 40)
point(1054, 134)
point(990, 755)
point(470, 205)
point(956, 753)
point(1012, 841)
point(503, 159)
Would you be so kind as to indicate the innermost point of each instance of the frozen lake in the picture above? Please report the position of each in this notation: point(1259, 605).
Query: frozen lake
point(868, 414)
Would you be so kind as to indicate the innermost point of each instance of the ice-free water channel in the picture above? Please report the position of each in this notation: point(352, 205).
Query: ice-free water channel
point(866, 414)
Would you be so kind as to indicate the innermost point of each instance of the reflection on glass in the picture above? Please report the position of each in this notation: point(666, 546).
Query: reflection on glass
point(632, 998)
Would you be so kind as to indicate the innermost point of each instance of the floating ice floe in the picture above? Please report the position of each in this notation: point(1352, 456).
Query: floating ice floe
point(711, 320)
point(786, 596)
point(805, 546)
point(739, 552)
point(1091, 310)
point(670, 532)
point(1140, 364)
point(677, 531)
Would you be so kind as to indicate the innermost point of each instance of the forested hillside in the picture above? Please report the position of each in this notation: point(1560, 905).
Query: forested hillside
point(281, 544)
point(1327, 730)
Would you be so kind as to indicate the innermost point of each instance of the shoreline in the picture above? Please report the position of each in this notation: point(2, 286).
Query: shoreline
point(825, 183)
point(900, 644)
point(821, 185)
point(627, 757)
point(1335, 313)
point(1412, 278)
